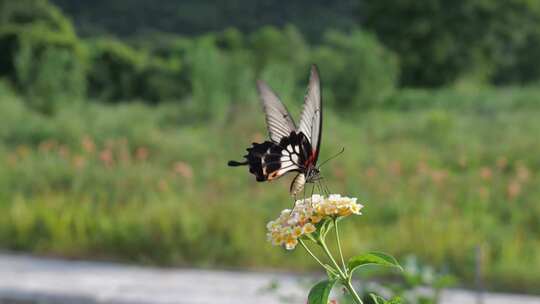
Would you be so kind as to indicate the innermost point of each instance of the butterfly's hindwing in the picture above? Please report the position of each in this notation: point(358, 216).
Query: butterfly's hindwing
point(269, 161)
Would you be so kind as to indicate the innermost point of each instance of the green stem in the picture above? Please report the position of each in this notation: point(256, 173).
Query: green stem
point(345, 275)
point(327, 251)
point(316, 258)
point(339, 246)
point(353, 293)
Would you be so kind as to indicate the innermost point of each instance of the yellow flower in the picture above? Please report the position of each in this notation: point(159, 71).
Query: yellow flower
point(356, 208)
point(345, 211)
point(315, 219)
point(277, 239)
point(330, 210)
point(297, 231)
point(309, 228)
point(303, 219)
point(291, 225)
point(291, 243)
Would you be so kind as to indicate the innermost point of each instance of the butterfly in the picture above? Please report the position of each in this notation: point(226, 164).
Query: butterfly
point(290, 148)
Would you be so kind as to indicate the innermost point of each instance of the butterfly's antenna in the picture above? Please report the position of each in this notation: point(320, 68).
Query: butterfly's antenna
point(331, 157)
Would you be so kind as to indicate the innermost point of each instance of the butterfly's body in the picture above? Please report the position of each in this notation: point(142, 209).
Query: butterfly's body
point(290, 148)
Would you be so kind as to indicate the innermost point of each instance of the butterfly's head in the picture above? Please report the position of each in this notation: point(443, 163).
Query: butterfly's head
point(313, 174)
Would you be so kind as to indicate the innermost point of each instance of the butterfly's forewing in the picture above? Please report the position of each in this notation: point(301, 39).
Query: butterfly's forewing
point(278, 119)
point(311, 118)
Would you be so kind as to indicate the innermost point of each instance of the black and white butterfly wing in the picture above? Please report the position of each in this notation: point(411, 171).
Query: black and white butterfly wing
point(269, 161)
point(311, 118)
point(290, 148)
point(278, 119)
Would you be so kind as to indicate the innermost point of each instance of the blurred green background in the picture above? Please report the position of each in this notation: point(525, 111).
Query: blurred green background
point(117, 119)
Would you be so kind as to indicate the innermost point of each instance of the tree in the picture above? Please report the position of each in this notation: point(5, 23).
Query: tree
point(439, 41)
point(40, 53)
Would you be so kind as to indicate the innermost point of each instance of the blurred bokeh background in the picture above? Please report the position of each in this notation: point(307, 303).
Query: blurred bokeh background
point(117, 119)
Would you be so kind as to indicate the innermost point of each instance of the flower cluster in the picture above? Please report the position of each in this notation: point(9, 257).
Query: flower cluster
point(301, 220)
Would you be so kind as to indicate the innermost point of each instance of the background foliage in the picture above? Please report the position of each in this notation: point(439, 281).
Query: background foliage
point(440, 41)
point(136, 109)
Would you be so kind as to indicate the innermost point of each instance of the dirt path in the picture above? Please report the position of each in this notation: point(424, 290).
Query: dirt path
point(25, 279)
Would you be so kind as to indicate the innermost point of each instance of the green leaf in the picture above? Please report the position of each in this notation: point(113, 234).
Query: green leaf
point(377, 299)
point(380, 300)
point(395, 300)
point(319, 292)
point(373, 258)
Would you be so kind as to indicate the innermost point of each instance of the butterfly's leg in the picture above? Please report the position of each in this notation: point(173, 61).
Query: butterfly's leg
point(304, 193)
point(325, 185)
point(294, 203)
point(319, 188)
point(295, 198)
point(311, 195)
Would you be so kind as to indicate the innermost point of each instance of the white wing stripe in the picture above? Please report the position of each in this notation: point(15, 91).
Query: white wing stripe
point(277, 127)
point(278, 118)
point(310, 120)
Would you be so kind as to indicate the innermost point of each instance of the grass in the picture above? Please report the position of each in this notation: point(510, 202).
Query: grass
point(137, 183)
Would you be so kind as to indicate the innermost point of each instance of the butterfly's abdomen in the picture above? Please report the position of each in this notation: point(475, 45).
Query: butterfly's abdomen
point(297, 184)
